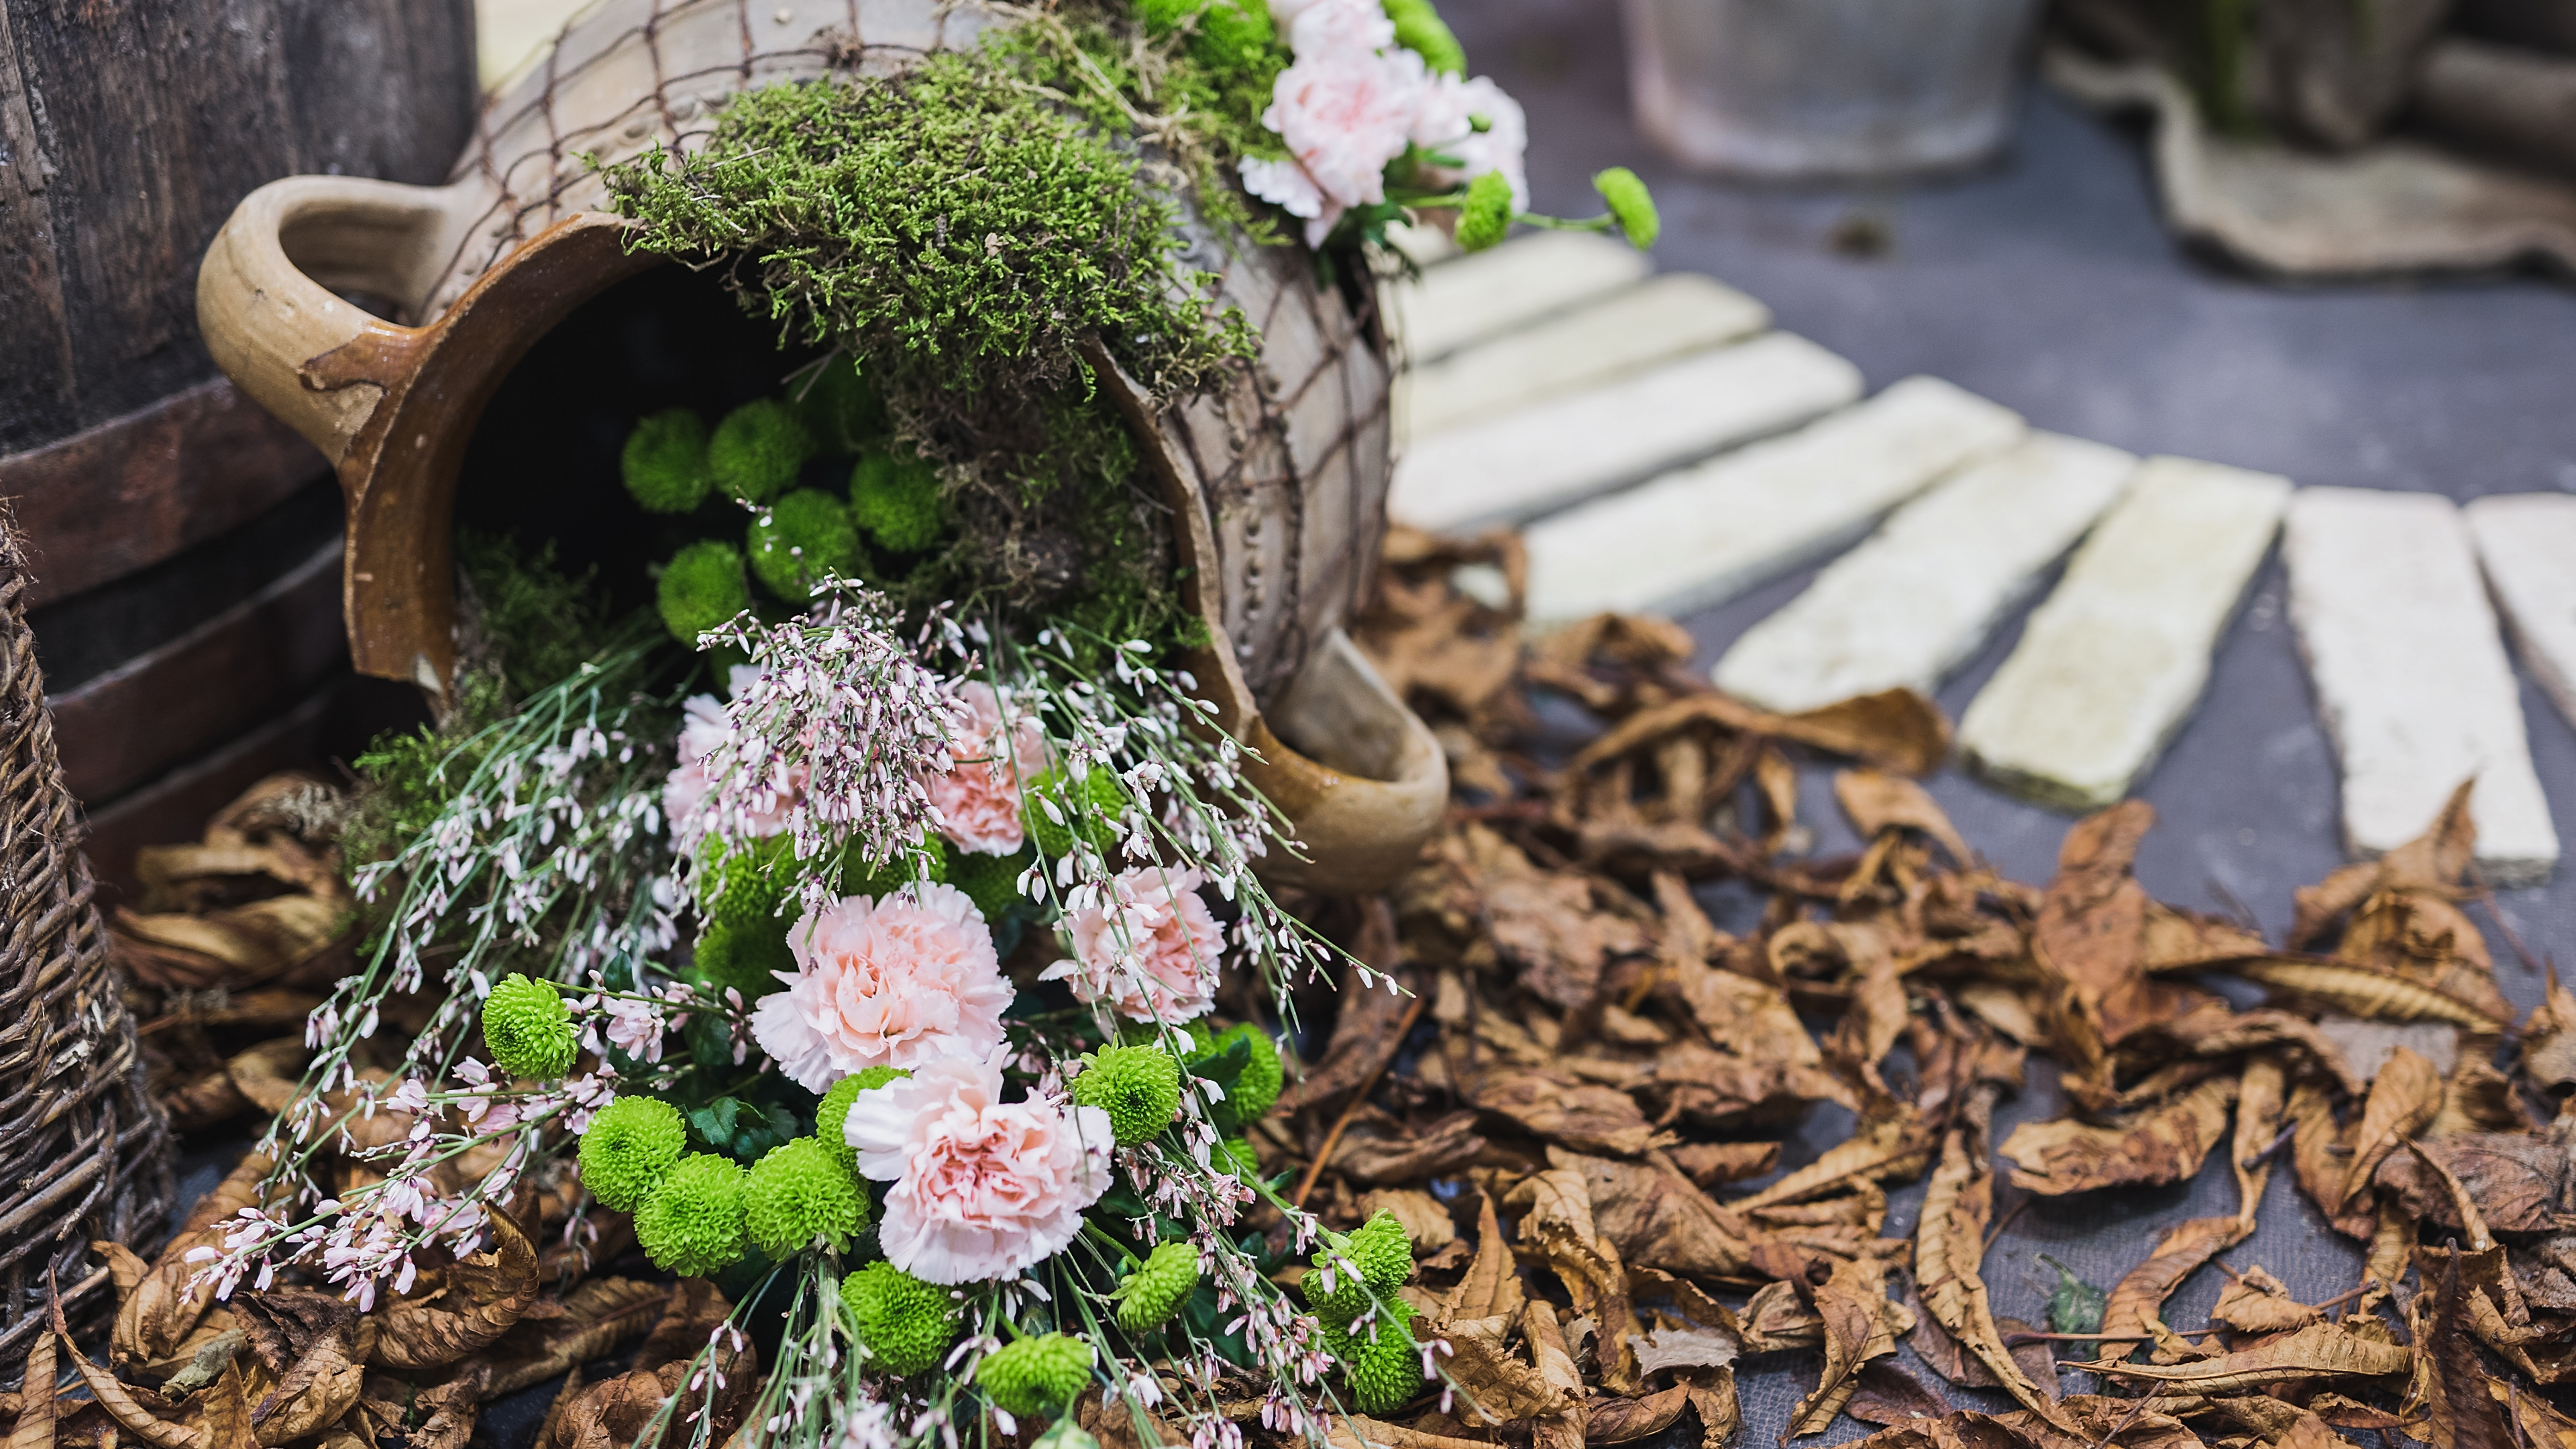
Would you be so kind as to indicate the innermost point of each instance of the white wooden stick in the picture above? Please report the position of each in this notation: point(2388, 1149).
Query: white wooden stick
point(1701, 536)
point(2528, 543)
point(2112, 663)
point(2411, 675)
point(1618, 334)
point(1912, 603)
point(1492, 292)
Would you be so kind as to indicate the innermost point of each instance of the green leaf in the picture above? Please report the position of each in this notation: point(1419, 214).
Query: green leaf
point(741, 1130)
point(2076, 1307)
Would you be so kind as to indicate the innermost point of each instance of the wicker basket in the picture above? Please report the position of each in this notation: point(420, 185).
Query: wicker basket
point(84, 1152)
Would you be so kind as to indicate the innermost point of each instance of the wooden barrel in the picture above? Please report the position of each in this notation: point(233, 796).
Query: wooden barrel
point(185, 545)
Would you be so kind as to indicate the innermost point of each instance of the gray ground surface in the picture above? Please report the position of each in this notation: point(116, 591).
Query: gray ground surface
point(2047, 284)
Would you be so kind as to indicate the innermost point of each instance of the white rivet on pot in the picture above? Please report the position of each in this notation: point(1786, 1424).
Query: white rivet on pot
point(1906, 607)
point(2411, 675)
point(1701, 536)
point(2112, 664)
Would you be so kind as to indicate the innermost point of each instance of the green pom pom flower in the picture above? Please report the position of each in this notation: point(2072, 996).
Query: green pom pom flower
point(1384, 1253)
point(835, 1111)
point(906, 1325)
point(665, 462)
point(895, 497)
point(1340, 1302)
point(1485, 217)
point(1229, 36)
point(1035, 1376)
point(802, 537)
point(1138, 1086)
point(757, 449)
point(630, 1146)
point(841, 409)
point(738, 885)
point(797, 1193)
point(1419, 28)
point(692, 1221)
point(1257, 1086)
point(528, 1029)
point(1247, 1163)
point(1155, 1291)
point(1093, 806)
point(702, 588)
point(1631, 205)
point(745, 957)
point(1384, 1364)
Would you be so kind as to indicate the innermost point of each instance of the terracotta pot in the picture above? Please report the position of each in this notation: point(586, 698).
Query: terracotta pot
point(1279, 480)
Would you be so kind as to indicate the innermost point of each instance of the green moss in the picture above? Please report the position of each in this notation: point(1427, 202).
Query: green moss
point(665, 462)
point(745, 957)
point(757, 449)
point(840, 407)
point(894, 495)
point(409, 776)
point(1485, 217)
point(1419, 28)
point(949, 225)
point(702, 588)
point(1631, 205)
point(799, 539)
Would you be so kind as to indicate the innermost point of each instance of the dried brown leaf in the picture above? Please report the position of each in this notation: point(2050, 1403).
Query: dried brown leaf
point(2519, 1181)
point(1890, 1395)
point(119, 1402)
point(1557, 1368)
point(1653, 1217)
point(225, 1421)
point(1365, 1033)
point(1949, 1255)
point(2136, 1303)
point(2457, 1407)
point(462, 1307)
point(2257, 1302)
point(2162, 1144)
point(1893, 1148)
point(1853, 1303)
point(162, 1310)
point(2323, 1351)
point(1424, 1218)
point(1877, 801)
point(1712, 1398)
point(1711, 1163)
point(598, 1315)
point(1560, 1109)
point(1495, 1385)
point(1557, 1222)
point(1492, 1286)
point(1670, 1348)
point(37, 1410)
point(1617, 1421)
point(2402, 1101)
point(321, 1385)
point(2367, 991)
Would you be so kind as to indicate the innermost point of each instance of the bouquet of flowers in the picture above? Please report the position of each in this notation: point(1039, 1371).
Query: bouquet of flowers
point(873, 926)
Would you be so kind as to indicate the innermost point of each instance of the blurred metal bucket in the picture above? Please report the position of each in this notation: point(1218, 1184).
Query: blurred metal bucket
point(1813, 88)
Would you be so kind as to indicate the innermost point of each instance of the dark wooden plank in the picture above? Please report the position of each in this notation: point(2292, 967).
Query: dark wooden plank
point(38, 384)
point(204, 687)
point(175, 807)
point(131, 493)
point(156, 119)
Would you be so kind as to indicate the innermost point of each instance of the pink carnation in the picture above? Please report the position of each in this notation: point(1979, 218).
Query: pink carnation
point(1446, 124)
point(1344, 114)
point(703, 728)
point(982, 1187)
point(1151, 954)
point(1321, 28)
point(895, 982)
point(977, 804)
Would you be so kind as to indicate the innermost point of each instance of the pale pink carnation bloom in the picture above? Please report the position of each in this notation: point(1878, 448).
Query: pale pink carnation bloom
point(1322, 28)
point(702, 728)
point(1284, 184)
point(1445, 124)
point(982, 1187)
point(977, 803)
point(1344, 115)
point(895, 982)
point(1284, 13)
point(1152, 954)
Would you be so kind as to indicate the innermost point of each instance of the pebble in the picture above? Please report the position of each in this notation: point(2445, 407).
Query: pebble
point(2411, 676)
point(1550, 454)
point(2113, 662)
point(1700, 536)
point(1925, 591)
point(1622, 333)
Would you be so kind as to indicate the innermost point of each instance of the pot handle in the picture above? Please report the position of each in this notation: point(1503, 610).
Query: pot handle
point(268, 307)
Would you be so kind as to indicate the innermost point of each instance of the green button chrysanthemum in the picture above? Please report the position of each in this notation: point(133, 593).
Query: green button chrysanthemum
point(740, 884)
point(631, 1145)
point(1035, 1376)
point(692, 1222)
point(906, 1325)
point(664, 462)
point(1138, 1086)
point(1384, 1253)
point(1257, 1087)
point(1384, 1364)
point(702, 588)
point(1155, 1291)
point(1485, 217)
point(895, 497)
point(528, 1029)
point(835, 1111)
point(799, 1193)
point(757, 449)
point(1238, 1156)
point(747, 957)
point(1631, 205)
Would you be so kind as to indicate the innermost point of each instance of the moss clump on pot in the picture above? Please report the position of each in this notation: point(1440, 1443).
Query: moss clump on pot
point(702, 588)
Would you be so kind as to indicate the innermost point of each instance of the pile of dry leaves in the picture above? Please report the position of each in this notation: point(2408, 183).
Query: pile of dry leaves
point(1584, 1066)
